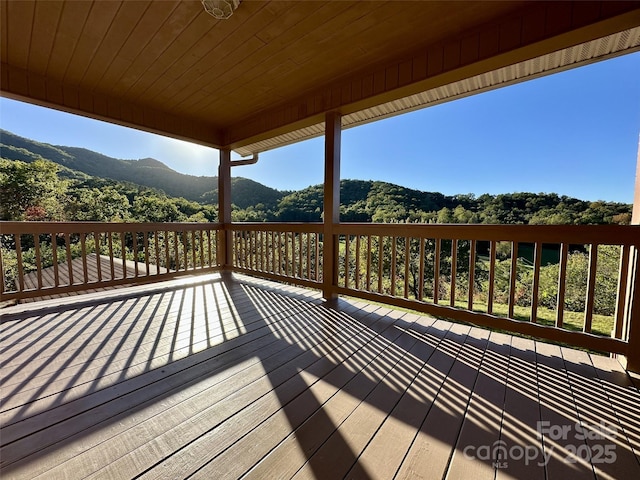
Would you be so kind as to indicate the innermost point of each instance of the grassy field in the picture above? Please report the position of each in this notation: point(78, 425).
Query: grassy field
point(600, 324)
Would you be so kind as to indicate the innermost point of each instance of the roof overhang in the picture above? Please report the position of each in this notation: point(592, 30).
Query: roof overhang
point(267, 76)
point(602, 48)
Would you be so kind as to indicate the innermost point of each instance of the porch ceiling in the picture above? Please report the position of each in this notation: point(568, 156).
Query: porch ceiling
point(268, 74)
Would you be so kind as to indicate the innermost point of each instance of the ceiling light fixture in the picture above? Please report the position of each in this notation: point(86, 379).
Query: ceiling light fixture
point(220, 9)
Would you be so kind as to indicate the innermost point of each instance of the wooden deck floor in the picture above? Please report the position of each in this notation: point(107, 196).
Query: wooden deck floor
point(223, 378)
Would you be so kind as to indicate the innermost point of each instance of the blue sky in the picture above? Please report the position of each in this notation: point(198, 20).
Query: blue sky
point(574, 133)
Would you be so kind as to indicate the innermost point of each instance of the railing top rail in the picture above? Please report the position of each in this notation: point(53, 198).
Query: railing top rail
point(587, 234)
point(9, 228)
point(599, 234)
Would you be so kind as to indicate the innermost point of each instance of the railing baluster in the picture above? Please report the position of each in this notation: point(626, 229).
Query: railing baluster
point(243, 259)
point(591, 287)
point(562, 284)
point(537, 256)
point(357, 279)
point(368, 287)
point(246, 239)
point(286, 253)
point(83, 250)
point(317, 252)
point(176, 251)
point(421, 271)
point(472, 273)
point(454, 271)
point(209, 248)
point(36, 239)
point(167, 253)
point(244, 250)
point(241, 250)
point(254, 251)
point(19, 261)
point(145, 245)
point(201, 243)
point(380, 262)
point(273, 254)
point(67, 241)
point(492, 276)
point(294, 267)
point(260, 251)
point(249, 240)
point(407, 262)
point(393, 266)
point(255, 259)
point(265, 250)
point(346, 260)
point(193, 249)
point(237, 248)
point(292, 255)
point(134, 237)
point(513, 275)
point(301, 256)
point(156, 243)
point(308, 256)
point(280, 253)
point(124, 255)
point(97, 240)
point(436, 272)
point(111, 258)
point(185, 250)
point(54, 250)
point(622, 289)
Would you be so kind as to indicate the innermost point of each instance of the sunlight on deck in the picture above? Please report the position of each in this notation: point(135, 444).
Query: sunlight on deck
point(225, 377)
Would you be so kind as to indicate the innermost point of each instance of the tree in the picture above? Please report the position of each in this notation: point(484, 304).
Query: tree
point(152, 208)
point(106, 205)
point(31, 191)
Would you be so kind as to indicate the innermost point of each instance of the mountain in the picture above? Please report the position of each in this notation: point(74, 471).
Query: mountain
point(148, 172)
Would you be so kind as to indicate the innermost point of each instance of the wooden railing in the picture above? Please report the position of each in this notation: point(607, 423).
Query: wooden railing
point(290, 252)
point(571, 284)
point(40, 259)
point(563, 283)
point(480, 274)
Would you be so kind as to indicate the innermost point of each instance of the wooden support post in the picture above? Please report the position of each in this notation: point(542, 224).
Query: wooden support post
point(224, 210)
point(333, 130)
point(632, 313)
point(632, 305)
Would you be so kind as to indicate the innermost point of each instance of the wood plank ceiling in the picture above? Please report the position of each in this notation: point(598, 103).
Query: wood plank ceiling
point(167, 66)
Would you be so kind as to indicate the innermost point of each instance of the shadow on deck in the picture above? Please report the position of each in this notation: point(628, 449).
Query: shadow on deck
point(220, 377)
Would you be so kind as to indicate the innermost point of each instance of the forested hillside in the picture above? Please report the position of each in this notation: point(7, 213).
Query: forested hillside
point(370, 201)
point(147, 172)
point(45, 182)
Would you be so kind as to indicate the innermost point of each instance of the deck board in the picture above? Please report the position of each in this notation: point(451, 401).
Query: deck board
point(91, 276)
point(223, 377)
point(522, 413)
